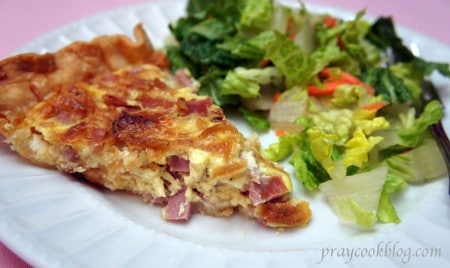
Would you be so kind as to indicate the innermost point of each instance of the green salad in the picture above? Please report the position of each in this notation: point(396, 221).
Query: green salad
point(345, 97)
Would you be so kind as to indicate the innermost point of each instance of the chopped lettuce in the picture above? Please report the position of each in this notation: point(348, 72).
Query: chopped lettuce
point(212, 29)
point(282, 149)
point(386, 213)
point(355, 198)
point(233, 84)
point(349, 210)
point(256, 15)
point(387, 84)
point(334, 121)
point(256, 119)
point(289, 60)
point(383, 34)
point(357, 148)
point(420, 164)
point(347, 96)
point(307, 169)
point(360, 140)
point(412, 134)
point(358, 54)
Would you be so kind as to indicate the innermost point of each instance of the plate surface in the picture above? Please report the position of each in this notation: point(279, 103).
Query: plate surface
point(53, 220)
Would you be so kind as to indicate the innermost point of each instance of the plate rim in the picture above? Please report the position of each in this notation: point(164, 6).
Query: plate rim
point(15, 241)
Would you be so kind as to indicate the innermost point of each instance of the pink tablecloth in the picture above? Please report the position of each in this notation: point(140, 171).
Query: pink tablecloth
point(21, 21)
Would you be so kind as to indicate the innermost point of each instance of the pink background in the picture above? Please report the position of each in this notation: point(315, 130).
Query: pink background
point(21, 21)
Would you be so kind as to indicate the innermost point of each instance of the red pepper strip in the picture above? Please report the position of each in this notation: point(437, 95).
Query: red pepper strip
point(327, 89)
point(330, 21)
point(374, 106)
point(347, 78)
point(280, 132)
point(265, 62)
point(350, 79)
point(276, 96)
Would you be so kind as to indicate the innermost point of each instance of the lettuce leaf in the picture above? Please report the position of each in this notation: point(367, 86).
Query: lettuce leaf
point(256, 15)
point(351, 211)
point(358, 148)
point(307, 169)
point(289, 60)
point(357, 53)
point(212, 29)
point(420, 164)
point(412, 135)
point(248, 48)
point(355, 198)
point(386, 213)
point(211, 86)
point(256, 119)
point(387, 84)
point(283, 148)
point(233, 84)
point(246, 82)
point(322, 148)
point(383, 34)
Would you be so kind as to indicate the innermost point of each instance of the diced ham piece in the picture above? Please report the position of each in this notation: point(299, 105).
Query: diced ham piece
point(64, 117)
point(110, 78)
point(178, 208)
point(149, 102)
point(269, 188)
point(113, 100)
point(177, 163)
point(184, 78)
point(70, 154)
point(98, 134)
point(199, 106)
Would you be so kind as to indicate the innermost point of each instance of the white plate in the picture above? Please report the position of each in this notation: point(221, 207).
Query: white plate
point(53, 220)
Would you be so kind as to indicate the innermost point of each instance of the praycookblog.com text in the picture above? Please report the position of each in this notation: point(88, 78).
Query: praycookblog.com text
point(390, 249)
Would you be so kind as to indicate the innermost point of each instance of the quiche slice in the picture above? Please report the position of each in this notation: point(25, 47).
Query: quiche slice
point(134, 126)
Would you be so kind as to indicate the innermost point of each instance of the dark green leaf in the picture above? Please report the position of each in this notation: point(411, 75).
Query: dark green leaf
point(382, 34)
point(386, 84)
point(179, 60)
point(257, 120)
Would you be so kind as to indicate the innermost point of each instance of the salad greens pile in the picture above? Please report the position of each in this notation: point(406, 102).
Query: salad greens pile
point(343, 96)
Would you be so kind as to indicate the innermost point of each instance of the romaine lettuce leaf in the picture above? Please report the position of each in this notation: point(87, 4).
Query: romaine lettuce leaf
point(212, 29)
point(383, 34)
point(211, 86)
point(283, 148)
point(386, 213)
point(351, 211)
point(289, 60)
point(307, 169)
point(387, 84)
point(335, 121)
point(358, 148)
point(322, 147)
point(233, 84)
point(256, 119)
point(420, 164)
point(412, 135)
point(358, 54)
point(248, 48)
point(355, 199)
point(256, 15)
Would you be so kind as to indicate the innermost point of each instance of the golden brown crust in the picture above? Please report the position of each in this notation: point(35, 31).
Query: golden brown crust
point(284, 214)
point(28, 78)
